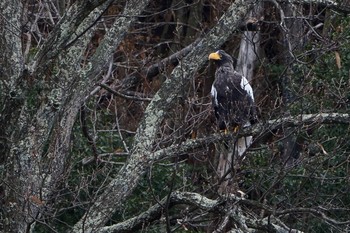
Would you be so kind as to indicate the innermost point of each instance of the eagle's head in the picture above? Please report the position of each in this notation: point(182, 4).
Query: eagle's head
point(220, 57)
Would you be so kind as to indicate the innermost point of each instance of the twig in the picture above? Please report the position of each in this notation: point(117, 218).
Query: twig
point(130, 97)
point(221, 206)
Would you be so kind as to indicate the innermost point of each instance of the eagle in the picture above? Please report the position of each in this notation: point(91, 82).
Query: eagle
point(232, 95)
point(233, 102)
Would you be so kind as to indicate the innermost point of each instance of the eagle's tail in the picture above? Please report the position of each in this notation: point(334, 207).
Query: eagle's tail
point(242, 145)
point(229, 158)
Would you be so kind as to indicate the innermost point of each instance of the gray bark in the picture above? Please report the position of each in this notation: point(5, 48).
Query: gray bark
point(12, 64)
point(225, 206)
point(250, 47)
point(260, 130)
point(65, 32)
point(292, 29)
point(142, 151)
point(40, 109)
point(32, 169)
point(247, 58)
point(11, 58)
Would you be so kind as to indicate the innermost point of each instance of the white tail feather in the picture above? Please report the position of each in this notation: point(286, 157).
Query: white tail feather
point(228, 158)
point(243, 144)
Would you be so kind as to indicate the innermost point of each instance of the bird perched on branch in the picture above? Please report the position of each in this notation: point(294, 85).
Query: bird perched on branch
point(232, 97)
point(233, 102)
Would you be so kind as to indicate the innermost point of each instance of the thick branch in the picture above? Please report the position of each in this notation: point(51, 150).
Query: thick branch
point(173, 59)
point(82, 80)
point(222, 206)
point(261, 130)
point(11, 58)
point(155, 212)
point(64, 95)
point(104, 206)
point(304, 120)
point(339, 7)
point(153, 70)
point(11, 67)
point(62, 34)
point(141, 158)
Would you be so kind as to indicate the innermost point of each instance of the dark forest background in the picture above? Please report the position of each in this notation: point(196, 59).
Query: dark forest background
point(106, 123)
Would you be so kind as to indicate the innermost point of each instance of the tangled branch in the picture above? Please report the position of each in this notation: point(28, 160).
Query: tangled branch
point(228, 206)
point(259, 131)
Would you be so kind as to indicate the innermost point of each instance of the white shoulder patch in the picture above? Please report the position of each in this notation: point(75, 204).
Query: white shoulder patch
point(246, 86)
point(214, 94)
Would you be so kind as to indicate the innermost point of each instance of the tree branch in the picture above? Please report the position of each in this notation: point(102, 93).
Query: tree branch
point(314, 211)
point(11, 59)
point(339, 7)
point(173, 59)
point(203, 203)
point(260, 130)
point(141, 153)
point(153, 70)
point(155, 211)
point(62, 34)
point(135, 96)
point(222, 206)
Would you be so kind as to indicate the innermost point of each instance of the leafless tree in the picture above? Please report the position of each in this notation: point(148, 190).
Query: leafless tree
point(97, 94)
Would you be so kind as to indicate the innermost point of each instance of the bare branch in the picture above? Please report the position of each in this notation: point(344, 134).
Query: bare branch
point(222, 206)
point(155, 211)
point(62, 35)
point(260, 130)
point(128, 177)
point(11, 60)
point(153, 70)
point(314, 211)
point(339, 7)
point(172, 59)
point(127, 95)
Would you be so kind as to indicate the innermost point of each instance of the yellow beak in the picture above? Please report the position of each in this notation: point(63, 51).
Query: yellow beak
point(214, 56)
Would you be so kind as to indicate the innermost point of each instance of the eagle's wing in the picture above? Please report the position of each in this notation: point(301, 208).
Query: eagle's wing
point(222, 96)
point(232, 98)
point(250, 99)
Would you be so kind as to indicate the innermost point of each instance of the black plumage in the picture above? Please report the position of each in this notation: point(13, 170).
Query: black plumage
point(232, 95)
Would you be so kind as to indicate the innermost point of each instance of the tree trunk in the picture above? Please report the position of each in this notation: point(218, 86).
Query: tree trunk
point(48, 72)
point(142, 152)
point(293, 36)
point(231, 153)
point(48, 107)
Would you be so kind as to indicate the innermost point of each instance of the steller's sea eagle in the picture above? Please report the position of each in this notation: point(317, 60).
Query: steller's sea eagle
point(232, 95)
point(233, 102)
